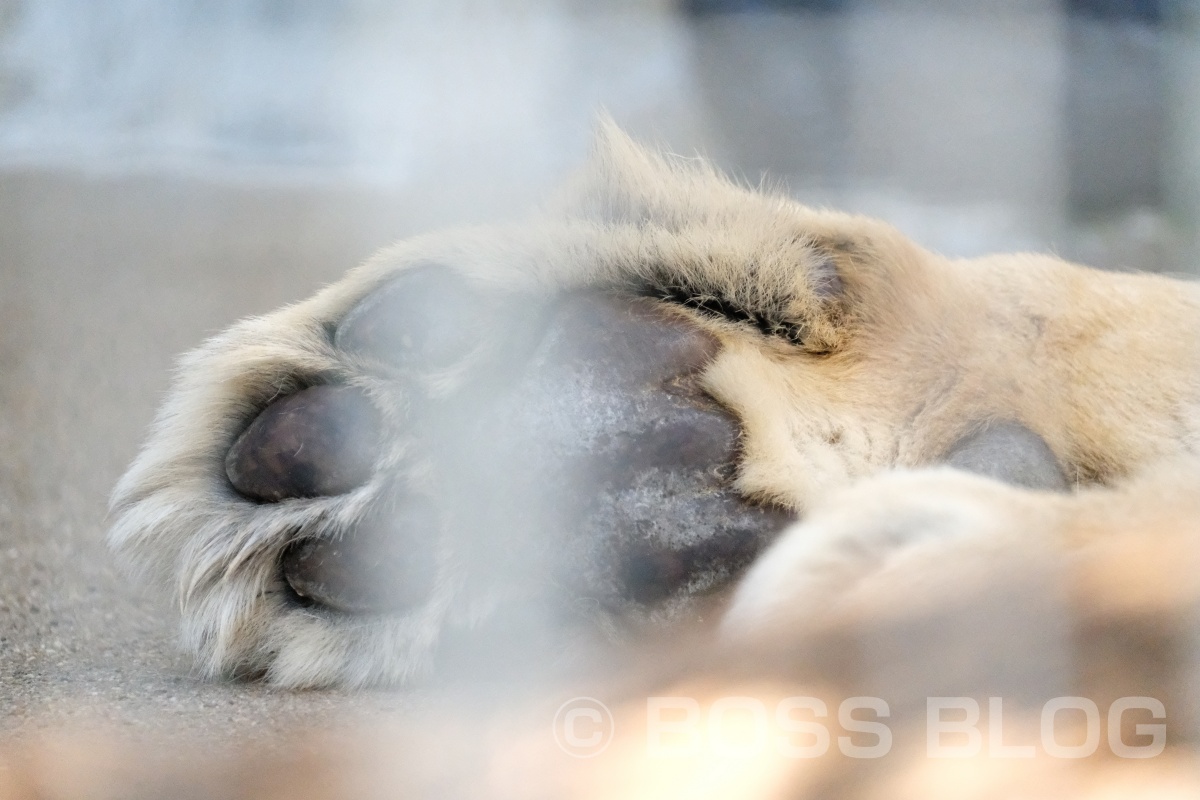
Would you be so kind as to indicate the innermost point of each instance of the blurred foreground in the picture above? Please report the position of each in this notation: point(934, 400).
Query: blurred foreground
point(156, 188)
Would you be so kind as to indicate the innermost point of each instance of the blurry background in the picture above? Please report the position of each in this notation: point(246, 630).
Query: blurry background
point(975, 124)
point(167, 167)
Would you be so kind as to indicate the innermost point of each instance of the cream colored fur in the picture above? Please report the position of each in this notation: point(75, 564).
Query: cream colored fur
point(906, 351)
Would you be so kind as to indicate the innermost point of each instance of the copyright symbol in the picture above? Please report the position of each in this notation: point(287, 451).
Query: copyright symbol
point(583, 727)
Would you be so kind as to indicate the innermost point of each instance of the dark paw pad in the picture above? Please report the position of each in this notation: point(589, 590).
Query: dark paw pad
point(425, 319)
point(649, 455)
point(386, 563)
point(319, 441)
point(1009, 452)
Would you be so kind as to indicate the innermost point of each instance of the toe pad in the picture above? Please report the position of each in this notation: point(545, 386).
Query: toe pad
point(319, 441)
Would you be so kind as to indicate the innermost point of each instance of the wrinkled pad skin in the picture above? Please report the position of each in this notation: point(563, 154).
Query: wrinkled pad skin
point(596, 465)
point(633, 458)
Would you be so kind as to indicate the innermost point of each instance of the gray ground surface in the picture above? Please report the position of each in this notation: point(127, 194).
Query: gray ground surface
point(102, 283)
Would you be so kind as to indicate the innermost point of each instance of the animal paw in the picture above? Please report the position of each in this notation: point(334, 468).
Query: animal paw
point(337, 490)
